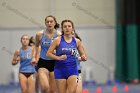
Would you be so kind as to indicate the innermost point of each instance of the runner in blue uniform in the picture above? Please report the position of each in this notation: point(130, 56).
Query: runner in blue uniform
point(66, 47)
point(27, 70)
point(46, 64)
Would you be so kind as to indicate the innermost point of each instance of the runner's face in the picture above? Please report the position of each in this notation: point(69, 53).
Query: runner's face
point(25, 40)
point(50, 23)
point(67, 28)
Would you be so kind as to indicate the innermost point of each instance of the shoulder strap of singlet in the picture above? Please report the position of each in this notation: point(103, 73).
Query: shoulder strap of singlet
point(20, 50)
point(55, 35)
point(42, 35)
point(62, 38)
point(73, 39)
point(29, 48)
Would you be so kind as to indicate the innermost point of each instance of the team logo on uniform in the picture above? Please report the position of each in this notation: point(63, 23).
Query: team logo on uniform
point(29, 55)
point(22, 57)
point(45, 43)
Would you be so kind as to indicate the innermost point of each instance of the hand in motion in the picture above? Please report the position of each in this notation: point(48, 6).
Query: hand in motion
point(18, 59)
point(63, 57)
point(83, 58)
point(34, 63)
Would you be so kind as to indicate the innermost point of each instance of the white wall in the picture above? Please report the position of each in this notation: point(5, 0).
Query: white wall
point(100, 46)
point(31, 13)
point(99, 43)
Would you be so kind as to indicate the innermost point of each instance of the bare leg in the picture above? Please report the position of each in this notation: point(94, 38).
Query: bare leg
point(61, 85)
point(72, 84)
point(37, 83)
point(53, 88)
point(43, 79)
point(31, 83)
point(79, 87)
point(23, 83)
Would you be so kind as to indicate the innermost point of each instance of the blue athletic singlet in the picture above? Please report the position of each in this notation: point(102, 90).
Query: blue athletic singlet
point(45, 44)
point(25, 61)
point(68, 67)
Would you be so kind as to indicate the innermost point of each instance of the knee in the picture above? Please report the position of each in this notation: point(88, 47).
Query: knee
point(24, 90)
point(52, 91)
point(44, 89)
point(72, 91)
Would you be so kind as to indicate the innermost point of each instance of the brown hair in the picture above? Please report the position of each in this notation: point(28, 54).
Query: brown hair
point(77, 36)
point(56, 25)
point(31, 41)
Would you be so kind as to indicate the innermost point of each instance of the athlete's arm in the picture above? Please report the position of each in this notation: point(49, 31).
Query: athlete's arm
point(37, 45)
point(16, 58)
point(51, 49)
point(84, 49)
point(81, 50)
point(33, 48)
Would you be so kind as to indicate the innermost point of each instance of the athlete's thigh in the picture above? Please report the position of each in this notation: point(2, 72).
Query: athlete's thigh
point(61, 85)
point(43, 76)
point(72, 83)
point(23, 81)
point(31, 83)
point(52, 81)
